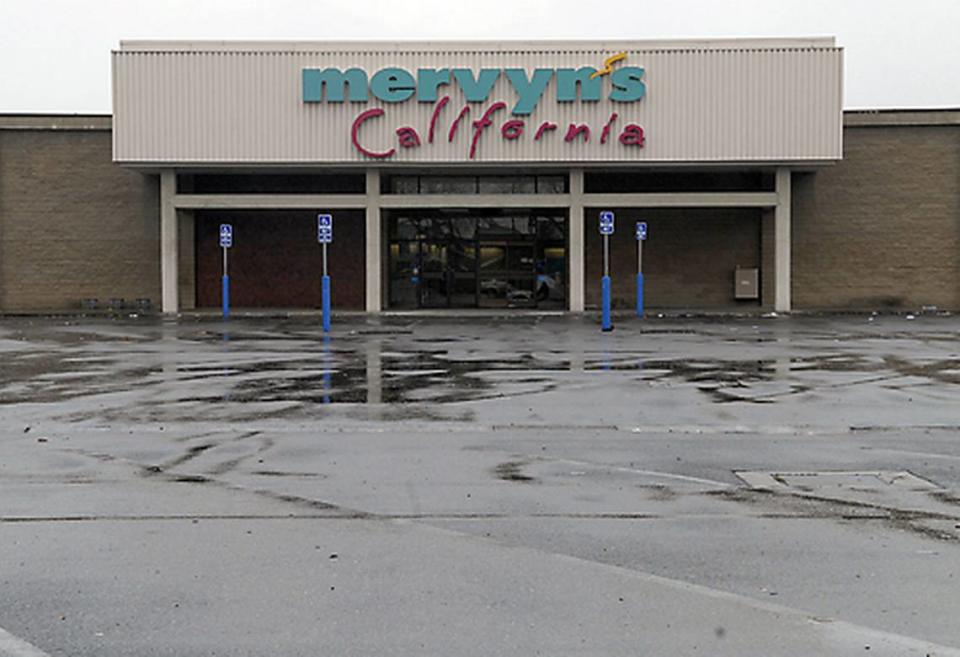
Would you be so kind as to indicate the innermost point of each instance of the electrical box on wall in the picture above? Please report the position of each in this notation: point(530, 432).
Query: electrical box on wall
point(746, 282)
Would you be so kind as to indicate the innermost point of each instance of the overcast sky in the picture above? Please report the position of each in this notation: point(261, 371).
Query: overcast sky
point(54, 54)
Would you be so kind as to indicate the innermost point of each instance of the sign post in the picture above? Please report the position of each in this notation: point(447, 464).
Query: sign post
point(606, 229)
point(226, 241)
point(641, 238)
point(325, 236)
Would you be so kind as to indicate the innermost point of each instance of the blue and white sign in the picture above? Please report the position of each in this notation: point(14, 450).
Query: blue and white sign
point(641, 231)
point(606, 222)
point(325, 228)
point(226, 235)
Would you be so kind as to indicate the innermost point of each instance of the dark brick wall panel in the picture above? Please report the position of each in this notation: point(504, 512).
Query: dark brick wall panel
point(276, 261)
point(688, 260)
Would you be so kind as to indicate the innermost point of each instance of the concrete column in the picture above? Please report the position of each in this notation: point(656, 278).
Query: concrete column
point(374, 254)
point(188, 259)
point(169, 244)
point(781, 298)
point(768, 279)
point(576, 291)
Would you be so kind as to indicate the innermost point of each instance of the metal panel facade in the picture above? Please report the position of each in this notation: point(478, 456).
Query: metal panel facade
point(760, 101)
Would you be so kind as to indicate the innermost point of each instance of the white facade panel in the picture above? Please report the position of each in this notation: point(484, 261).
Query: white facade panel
point(767, 101)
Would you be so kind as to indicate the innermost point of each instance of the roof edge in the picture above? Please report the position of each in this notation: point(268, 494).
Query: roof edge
point(901, 117)
point(56, 121)
point(441, 45)
point(931, 116)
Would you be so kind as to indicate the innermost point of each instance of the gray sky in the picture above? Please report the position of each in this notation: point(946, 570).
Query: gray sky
point(54, 54)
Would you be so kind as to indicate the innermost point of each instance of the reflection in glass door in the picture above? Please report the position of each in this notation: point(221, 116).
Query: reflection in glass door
point(477, 259)
point(507, 264)
point(434, 277)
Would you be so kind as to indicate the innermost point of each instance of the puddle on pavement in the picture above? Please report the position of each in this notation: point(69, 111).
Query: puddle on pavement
point(440, 377)
point(385, 365)
point(397, 378)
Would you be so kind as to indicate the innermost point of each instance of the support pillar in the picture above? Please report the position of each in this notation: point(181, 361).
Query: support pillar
point(781, 221)
point(576, 252)
point(186, 221)
point(374, 253)
point(169, 244)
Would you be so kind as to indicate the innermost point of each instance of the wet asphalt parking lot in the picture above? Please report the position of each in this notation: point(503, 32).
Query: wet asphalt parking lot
point(480, 486)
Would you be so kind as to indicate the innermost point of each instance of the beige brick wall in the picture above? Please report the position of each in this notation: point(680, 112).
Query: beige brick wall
point(881, 229)
point(72, 224)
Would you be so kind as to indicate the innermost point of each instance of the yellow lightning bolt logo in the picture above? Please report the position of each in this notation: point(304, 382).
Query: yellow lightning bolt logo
point(608, 65)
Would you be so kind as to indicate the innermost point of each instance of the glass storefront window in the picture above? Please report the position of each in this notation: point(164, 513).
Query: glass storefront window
point(476, 258)
point(551, 184)
point(487, 184)
point(551, 228)
point(405, 185)
point(503, 226)
point(463, 228)
point(403, 228)
point(493, 257)
point(462, 258)
point(520, 257)
point(507, 185)
point(448, 185)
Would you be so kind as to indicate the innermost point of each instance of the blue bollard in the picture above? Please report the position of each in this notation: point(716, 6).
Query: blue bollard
point(606, 325)
point(226, 296)
point(639, 295)
point(325, 290)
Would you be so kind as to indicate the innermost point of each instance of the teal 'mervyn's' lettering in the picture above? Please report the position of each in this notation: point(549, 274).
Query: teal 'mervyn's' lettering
point(396, 85)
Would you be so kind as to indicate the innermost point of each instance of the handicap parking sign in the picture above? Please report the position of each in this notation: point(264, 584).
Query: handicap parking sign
point(606, 222)
point(226, 235)
point(325, 228)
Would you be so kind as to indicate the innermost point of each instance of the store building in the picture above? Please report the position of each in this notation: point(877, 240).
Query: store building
point(471, 175)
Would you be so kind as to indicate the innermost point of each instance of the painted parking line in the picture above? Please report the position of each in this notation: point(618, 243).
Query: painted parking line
point(11, 646)
point(649, 473)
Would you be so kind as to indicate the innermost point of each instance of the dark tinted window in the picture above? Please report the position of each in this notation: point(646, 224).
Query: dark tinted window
point(459, 184)
point(677, 181)
point(273, 183)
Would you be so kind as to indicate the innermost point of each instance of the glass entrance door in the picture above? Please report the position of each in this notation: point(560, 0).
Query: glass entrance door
point(477, 259)
point(507, 267)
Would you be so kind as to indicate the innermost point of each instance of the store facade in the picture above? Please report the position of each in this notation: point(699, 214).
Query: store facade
point(469, 175)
